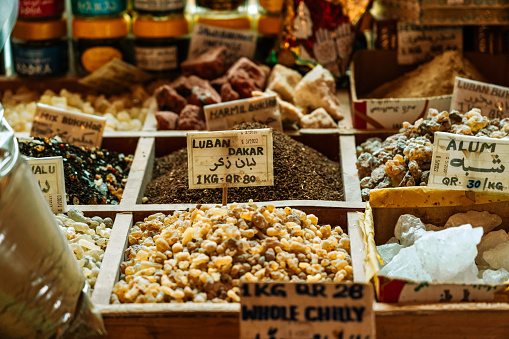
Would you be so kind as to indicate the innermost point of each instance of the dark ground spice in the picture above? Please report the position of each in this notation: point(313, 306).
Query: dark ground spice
point(300, 173)
point(81, 167)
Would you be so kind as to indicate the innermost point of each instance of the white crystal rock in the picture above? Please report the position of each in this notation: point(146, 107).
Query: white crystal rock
point(388, 251)
point(447, 253)
point(489, 241)
point(495, 277)
point(408, 229)
point(406, 265)
point(498, 257)
point(484, 219)
point(318, 89)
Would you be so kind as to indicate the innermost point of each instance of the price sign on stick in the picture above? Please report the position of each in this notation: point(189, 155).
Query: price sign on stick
point(307, 311)
point(263, 109)
point(230, 158)
point(49, 173)
point(470, 163)
point(492, 100)
point(73, 128)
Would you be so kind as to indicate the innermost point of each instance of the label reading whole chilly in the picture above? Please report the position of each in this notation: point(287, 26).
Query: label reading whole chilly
point(263, 109)
point(230, 158)
point(492, 100)
point(307, 310)
point(470, 163)
point(73, 128)
point(49, 173)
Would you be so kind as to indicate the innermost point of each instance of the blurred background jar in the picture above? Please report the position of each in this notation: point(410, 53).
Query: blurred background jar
point(159, 7)
point(161, 43)
point(97, 7)
point(40, 48)
point(97, 40)
point(40, 9)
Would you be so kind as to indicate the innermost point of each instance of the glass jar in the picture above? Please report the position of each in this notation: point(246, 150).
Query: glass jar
point(268, 30)
point(97, 7)
point(40, 48)
point(160, 43)
point(223, 13)
point(97, 40)
point(40, 9)
point(159, 7)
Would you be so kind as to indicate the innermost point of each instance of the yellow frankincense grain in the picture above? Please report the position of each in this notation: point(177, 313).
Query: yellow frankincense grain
point(204, 254)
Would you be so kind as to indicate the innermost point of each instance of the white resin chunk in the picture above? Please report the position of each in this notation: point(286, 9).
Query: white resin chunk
point(495, 277)
point(488, 242)
point(498, 257)
point(408, 229)
point(484, 219)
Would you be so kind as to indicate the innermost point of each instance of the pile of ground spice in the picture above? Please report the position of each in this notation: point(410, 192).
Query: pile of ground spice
point(300, 173)
point(92, 175)
point(433, 78)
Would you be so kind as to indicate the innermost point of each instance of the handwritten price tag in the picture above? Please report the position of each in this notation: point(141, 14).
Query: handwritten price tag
point(263, 109)
point(239, 42)
point(49, 173)
point(469, 163)
point(73, 128)
point(230, 158)
point(417, 44)
point(310, 310)
point(492, 100)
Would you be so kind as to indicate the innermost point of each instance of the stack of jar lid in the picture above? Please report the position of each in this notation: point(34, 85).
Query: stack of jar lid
point(99, 30)
point(39, 39)
point(161, 36)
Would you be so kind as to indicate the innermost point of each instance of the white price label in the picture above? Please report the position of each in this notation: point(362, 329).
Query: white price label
point(469, 163)
point(49, 173)
point(417, 44)
point(310, 310)
point(239, 42)
point(492, 100)
point(263, 109)
point(224, 159)
point(73, 128)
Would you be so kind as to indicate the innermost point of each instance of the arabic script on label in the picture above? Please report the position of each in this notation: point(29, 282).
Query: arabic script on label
point(230, 158)
point(469, 163)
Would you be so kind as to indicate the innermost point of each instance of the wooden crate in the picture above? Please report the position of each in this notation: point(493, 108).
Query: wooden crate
point(178, 320)
point(440, 320)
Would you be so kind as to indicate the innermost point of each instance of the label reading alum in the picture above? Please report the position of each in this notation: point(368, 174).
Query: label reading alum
point(469, 163)
point(230, 158)
point(73, 128)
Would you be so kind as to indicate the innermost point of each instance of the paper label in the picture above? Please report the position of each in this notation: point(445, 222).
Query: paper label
point(230, 158)
point(304, 311)
point(392, 113)
point(156, 58)
point(263, 109)
point(158, 5)
point(469, 163)
point(453, 293)
point(49, 173)
point(115, 76)
point(493, 100)
point(238, 42)
point(417, 44)
point(73, 128)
